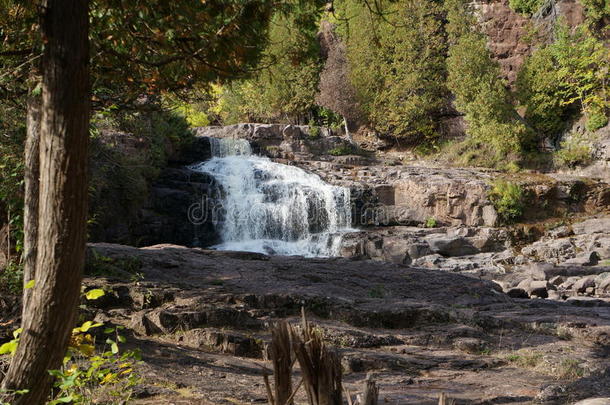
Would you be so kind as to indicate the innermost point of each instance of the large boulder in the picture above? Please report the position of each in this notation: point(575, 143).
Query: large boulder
point(591, 226)
point(451, 246)
point(453, 197)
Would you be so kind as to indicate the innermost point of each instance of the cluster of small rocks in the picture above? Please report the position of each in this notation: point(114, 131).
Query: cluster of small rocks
point(569, 263)
point(458, 249)
point(572, 283)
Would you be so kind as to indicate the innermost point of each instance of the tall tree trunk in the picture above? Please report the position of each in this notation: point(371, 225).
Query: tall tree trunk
point(32, 178)
point(51, 308)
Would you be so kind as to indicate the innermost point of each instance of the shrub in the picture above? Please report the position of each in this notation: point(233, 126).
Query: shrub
point(564, 78)
point(341, 150)
point(597, 119)
point(431, 222)
point(195, 114)
point(328, 118)
point(596, 11)
point(86, 374)
point(11, 278)
point(314, 130)
point(508, 200)
point(575, 151)
point(526, 7)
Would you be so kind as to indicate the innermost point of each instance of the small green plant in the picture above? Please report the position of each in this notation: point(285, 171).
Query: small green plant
point(525, 7)
point(508, 200)
point(314, 130)
point(86, 374)
point(10, 347)
point(11, 278)
point(107, 376)
point(485, 351)
point(12, 393)
point(527, 359)
point(575, 151)
point(597, 119)
point(431, 222)
point(341, 150)
point(570, 369)
point(377, 292)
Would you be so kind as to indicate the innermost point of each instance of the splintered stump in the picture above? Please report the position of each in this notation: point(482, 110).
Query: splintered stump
point(321, 366)
point(443, 400)
point(281, 357)
point(371, 391)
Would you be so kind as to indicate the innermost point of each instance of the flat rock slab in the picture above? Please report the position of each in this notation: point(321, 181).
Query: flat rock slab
point(201, 320)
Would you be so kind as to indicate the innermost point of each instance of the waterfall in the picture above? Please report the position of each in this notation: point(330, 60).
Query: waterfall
point(274, 208)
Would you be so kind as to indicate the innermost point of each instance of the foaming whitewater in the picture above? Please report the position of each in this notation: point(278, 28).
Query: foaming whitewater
point(274, 208)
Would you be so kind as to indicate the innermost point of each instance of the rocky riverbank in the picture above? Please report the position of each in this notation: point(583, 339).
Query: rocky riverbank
point(201, 319)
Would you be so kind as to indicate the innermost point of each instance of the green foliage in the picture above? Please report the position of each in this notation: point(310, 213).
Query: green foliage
point(596, 11)
point(285, 88)
point(597, 119)
point(10, 347)
point(94, 294)
point(193, 114)
point(526, 7)
point(575, 151)
point(146, 48)
point(12, 135)
point(431, 222)
point(508, 200)
point(566, 77)
point(480, 93)
point(87, 376)
point(341, 150)
point(128, 150)
point(314, 130)
point(11, 278)
point(327, 118)
point(397, 65)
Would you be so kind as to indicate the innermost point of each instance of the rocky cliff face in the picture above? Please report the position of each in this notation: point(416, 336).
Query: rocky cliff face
point(508, 30)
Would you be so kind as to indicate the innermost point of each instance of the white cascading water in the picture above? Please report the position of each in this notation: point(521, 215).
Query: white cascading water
point(274, 208)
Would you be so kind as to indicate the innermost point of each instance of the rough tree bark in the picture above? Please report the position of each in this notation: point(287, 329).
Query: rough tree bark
point(30, 204)
point(51, 308)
